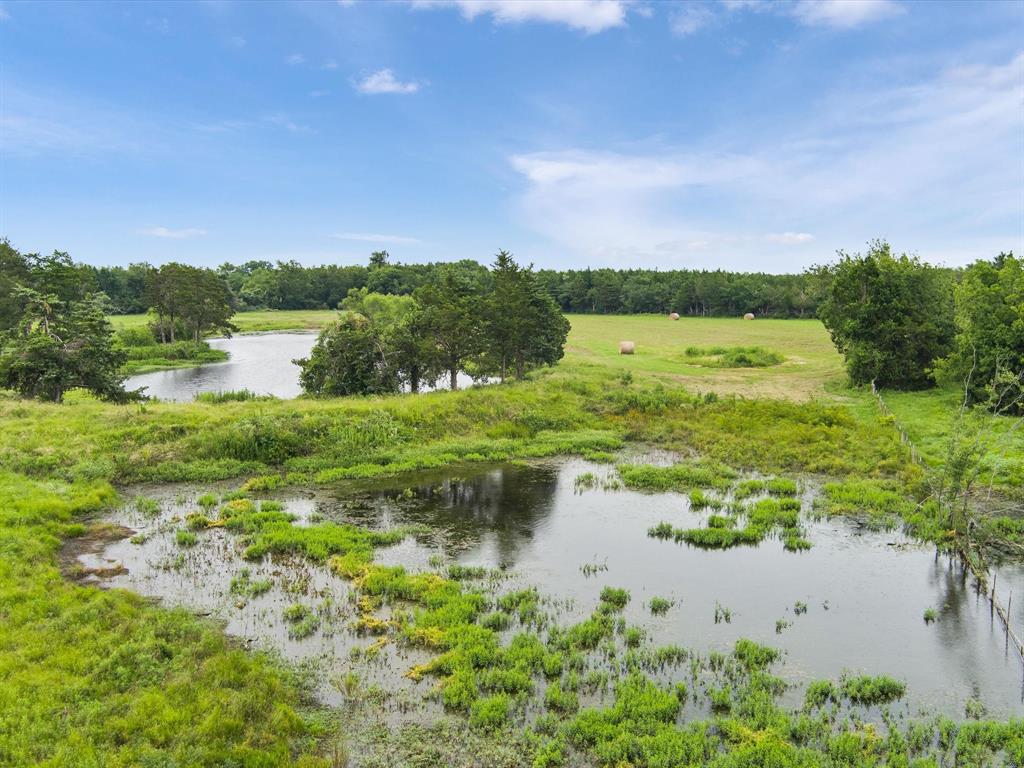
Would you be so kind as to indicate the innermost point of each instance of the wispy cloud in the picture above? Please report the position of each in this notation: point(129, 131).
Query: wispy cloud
point(590, 16)
point(294, 59)
point(928, 158)
point(690, 18)
point(171, 234)
point(384, 81)
point(369, 237)
point(282, 120)
point(790, 238)
point(236, 41)
point(329, 64)
point(4, 14)
point(844, 14)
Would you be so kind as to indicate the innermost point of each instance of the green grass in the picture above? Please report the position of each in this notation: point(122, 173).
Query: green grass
point(732, 357)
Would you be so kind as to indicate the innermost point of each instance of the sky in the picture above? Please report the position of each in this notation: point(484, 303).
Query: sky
point(734, 134)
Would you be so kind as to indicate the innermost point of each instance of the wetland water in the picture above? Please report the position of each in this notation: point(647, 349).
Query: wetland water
point(259, 362)
point(865, 591)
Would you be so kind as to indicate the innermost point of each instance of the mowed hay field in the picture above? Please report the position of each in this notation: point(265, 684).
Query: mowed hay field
point(810, 362)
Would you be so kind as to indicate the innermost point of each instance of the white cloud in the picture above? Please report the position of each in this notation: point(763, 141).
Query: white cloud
point(689, 19)
point(926, 165)
point(294, 59)
point(171, 234)
point(369, 237)
point(384, 81)
point(330, 64)
point(590, 16)
point(790, 238)
point(844, 14)
point(4, 15)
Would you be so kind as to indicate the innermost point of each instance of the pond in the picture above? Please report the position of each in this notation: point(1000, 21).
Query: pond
point(852, 603)
point(259, 362)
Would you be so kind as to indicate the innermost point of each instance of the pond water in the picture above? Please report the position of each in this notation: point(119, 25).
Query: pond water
point(865, 591)
point(259, 362)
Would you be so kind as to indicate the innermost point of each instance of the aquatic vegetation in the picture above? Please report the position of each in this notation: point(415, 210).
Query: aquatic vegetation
point(799, 607)
point(633, 637)
point(781, 486)
point(659, 606)
point(302, 622)
point(819, 693)
point(585, 481)
point(679, 477)
point(700, 500)
point(185, 538)
point(880, 502)
point(870, 691)
point(458, 572)
point(242, 584)
point(721, 521)
point(490, 713)
point(559, 699)
point(614, 598)
point(592, 569)
point(147, 506)
point(719, 538)
point(722, 614)
point(782, 624)
point(793, 541)
point(662, 530)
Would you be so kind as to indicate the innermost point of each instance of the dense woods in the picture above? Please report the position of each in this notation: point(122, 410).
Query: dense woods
point(289, 285)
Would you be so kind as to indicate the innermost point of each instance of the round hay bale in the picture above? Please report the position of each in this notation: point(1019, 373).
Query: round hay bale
point(674, 316)
point(627, 347)
point(748, 316)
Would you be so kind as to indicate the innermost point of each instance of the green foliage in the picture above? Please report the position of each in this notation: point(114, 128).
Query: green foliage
point(184, 296)
point(659, 606)
point(871, 691)
point(988, 357)
point(349, 358)
point(59, 346)
point(889, 316)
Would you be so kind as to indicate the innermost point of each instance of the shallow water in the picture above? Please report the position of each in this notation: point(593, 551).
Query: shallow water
point(865, 591)
point(259, 362)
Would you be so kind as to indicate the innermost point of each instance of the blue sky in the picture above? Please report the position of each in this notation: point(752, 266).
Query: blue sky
point(739, 134)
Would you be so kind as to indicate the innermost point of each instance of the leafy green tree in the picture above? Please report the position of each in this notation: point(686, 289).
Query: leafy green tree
point(989, 348)
point(60, 346)
point(349, 358)
point(197, 300)
point(890, 316)
point(451, 320)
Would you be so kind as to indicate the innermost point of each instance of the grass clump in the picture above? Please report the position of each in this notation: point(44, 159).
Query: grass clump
point(732, 357)
point(662, 530)
point(867, 691)
point(185, 538)
point(930, 615)
point(700, 500)
point(659, 606)
point(614, 598)
point(490, 713)
point(680, 477)
point(244, 585)
point(230, 396)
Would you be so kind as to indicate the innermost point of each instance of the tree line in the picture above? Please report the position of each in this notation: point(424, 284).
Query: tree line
point(289, 285)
